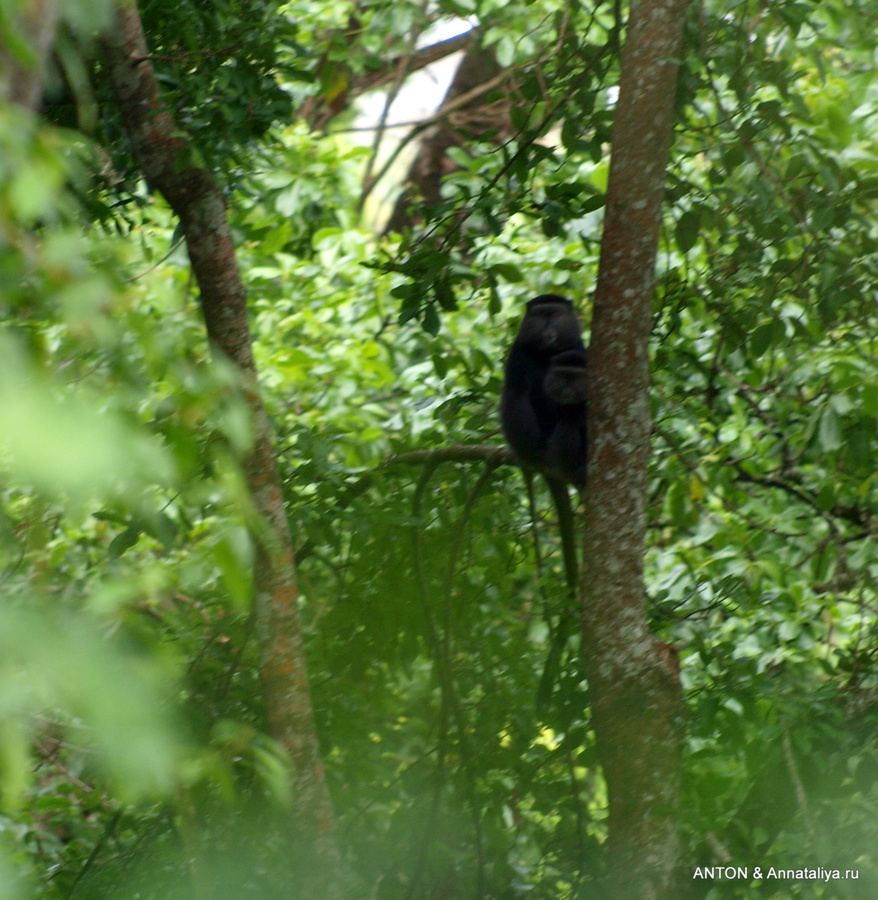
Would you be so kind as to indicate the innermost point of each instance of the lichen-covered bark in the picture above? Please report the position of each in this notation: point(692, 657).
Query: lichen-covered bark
point(633, 679)
point(166, 159)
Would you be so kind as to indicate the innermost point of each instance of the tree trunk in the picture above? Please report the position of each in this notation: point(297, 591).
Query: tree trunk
point(461, 124)
point(166, 160)
point(633, 679)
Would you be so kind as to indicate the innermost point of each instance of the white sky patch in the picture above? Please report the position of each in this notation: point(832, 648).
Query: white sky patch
point(422, 91)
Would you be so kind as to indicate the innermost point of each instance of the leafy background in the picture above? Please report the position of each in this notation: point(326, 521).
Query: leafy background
point(134, 759)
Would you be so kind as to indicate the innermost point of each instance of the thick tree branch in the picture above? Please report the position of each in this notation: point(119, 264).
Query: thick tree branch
point(420, 59)
point(319, 112)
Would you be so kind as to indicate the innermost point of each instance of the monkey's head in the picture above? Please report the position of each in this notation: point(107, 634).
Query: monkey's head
point(566, 382)
point(550, 326)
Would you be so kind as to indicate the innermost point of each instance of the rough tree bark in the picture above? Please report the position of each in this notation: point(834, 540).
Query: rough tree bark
point(166, 160)
point(633, 679)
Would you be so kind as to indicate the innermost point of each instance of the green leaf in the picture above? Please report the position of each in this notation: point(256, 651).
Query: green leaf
point(507, 271)
point(762, 338)
point(505, 51)
point(122, 541)
point(598, 201)
point(687, 230)
point(431, 322)
point(445, 294)
point(829, 433)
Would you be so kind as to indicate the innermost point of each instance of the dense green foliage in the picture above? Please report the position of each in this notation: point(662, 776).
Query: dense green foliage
point(133, 755)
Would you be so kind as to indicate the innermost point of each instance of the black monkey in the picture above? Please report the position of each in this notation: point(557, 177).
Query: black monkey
point(542, 408)
point(565, 384)
point(565, 381)
point(543, 413)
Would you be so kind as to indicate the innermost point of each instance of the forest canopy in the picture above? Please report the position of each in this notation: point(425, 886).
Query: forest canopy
point(279, 614)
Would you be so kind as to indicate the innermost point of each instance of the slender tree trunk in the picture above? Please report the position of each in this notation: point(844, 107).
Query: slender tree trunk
point(166, 160)
point(633, 679)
